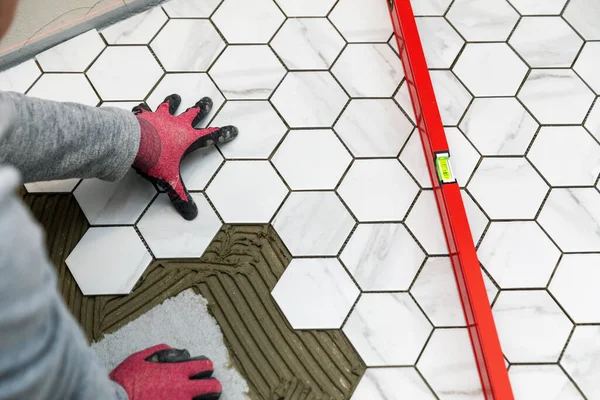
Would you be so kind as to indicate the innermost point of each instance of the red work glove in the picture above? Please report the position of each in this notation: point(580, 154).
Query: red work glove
point(166, 139)
point(161, 373)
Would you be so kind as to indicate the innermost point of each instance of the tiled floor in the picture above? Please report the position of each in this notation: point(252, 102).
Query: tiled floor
point(327, 153)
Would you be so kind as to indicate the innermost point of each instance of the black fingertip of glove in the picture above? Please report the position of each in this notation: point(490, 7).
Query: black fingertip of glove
point(174, 102)
point(141, 107)
point(226, 134)
point(187, 209)
point(202, 375)
point(208, 396)
point(205, 104)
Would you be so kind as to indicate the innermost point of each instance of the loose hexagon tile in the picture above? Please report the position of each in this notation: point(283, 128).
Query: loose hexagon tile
point(125, 73)
point(452, 97)
point(572, 218)
point(581, 359)
point(546, 42)
point(313, 223)
point(481, 22)
point(592, 122)
point(378, 190)
point(306, 8)
point(242, 21)
point(556, 96)
point(307, 43)
point(169, 235)
point(373, 128)
point(65, 87)
point(402, 97)
point(583, 15)
point(361, 21)
point(108, 260)
point(381, 340)
point(114, 203)
point(448, 364)
point(368, 70)
point(74, 55)
point(499, 126)
point(246, 191)
point(178, 48)
point(566, 156)
point(413, 159)
point(588, 63)
point(536, 7)
point(19, 78)
point(531, 326)
point(387, 383)
point(139, 29)
point(465, 157)
point(382, 257)
point(518, 254)
point(490, 69)
point(441, 43)
point(190, 9)
point(60, 186)
point(436, 292)
point(309, 99)
point(542, 382)
point(311, 159)
point(315, 293)
point(424, 222)
point(199, 166)
point(508, 188)
point(247, 72)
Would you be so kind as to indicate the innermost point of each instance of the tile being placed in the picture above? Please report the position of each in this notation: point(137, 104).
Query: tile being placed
point(440, 41)
point(199, 166)
point(490, 21)
point(581, 359)
point(60, 186)
point(583, 16)
point(587, 65)
point(315, 293)
point(413, 159)
point(536, 7)
point(542, 382)
point(139, 29)
point(306, 8)
point(361, 21)
point(387, 383)
point(19, 78)
point(451, 96)
point(313, 223)
point(72, 88)
point(243, 21)
point(424, 222)
point(108, 260)
point(74, 55)
point(190, 9)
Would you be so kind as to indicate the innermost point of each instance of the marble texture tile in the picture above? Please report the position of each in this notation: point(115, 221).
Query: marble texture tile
point(381, 340)
point(441, 43)
point(581, 359)
point(139, 29)
point(315, 293)
point(170, 236)
point(587, 65)
point(424, 222)
point(309, 99)
point(413, 159)
point(190, 9)
point(583, 16)
point(313, 223)
point(179, 49)
point(531, 326)
point(592, 122)
point(19, 78)
point(61, 186)
point(311, 159)
point(541, 381)
point(108, 260)
point(243, 21)
point(199, 166)
point(382, 257)
point(402, 97)
point(537, 7)
point(246, 192)
point(361, 21)
point(72, 88)
point(465, 158)
point(74, 55)
point(306, 8)
point(451, 96)
point(477, 21)
point(378, 190)
point(388, 383)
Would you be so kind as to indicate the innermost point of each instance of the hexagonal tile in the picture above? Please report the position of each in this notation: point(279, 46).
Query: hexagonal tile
point(169, 235)
point(556, 96)
point(19, 78)
point(307, 43)
point(566, 156)
point(508, 188)
point(311, 159)
point(531, 326)
point(306, 8)
point(451, 96)
point(246, 191)
point(541, 381)
point(74, 55)
point(139, 29)
point(388, 382)
point(518, 254)
point(247, 72)
point(499, 126)
point(490, 69)
point(588, 63)
point(362, 22)
point(440, 41)
point(381, 340)
point(583, 16)
point(592, 122)
point(382, 257)
point(241, 21)
point(199, 166)
point(108, 260)
point(535, 7)
point(315, 293)
point(424, 222)
point(313, 223)
point(546, 42)
point(190, 9)
point(413, 159)
point(479, 22)
point(368, 70)
point(378, 190)
point(59, 186)
point(64, 87)
point(178, 48)
point(581, 360)
point(125, 73)
point(309, 99)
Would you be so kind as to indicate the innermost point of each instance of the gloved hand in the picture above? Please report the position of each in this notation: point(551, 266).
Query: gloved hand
point(161, 372)
point(166, 138)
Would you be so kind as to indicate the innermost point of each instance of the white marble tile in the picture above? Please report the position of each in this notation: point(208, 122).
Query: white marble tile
point(243, 21)
point(531, 326)
point(74, 55)
point(369, 70)
point(402, 97)
point(305, 8)
point(413, 158)
point(499, 126)
point(125, 73)
point(537, 7)
point(582, 359)
point(73, 88)
point(381, 340)
point(307, 43)
point(378, 190)
point(382, 257)
point(139, 29)
point(508, 188)
point(246, 191)
point(588, 63)
point(19, 78)
point(388, 383)
point(424, 222)
point(61, 186)
point(315, 293)
point(477, 21)
point(199, 166)
point(541, 382)
point(556, 96)
point(114, 203)
point(170, 236)
point(430, 7)
point(451, 96)
point(592, 122)
point(441, 43)
point(361, 21)
point(247, 72)
point(108, 260)
point(179, 49)
point(448, 364)
point(464, 157)
point(583, 16)
point(311, 159)
point(373, 128)
point(190, 9)
point(478, 221)
point(260, 128)
point(309, 99)
point(313, 223)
